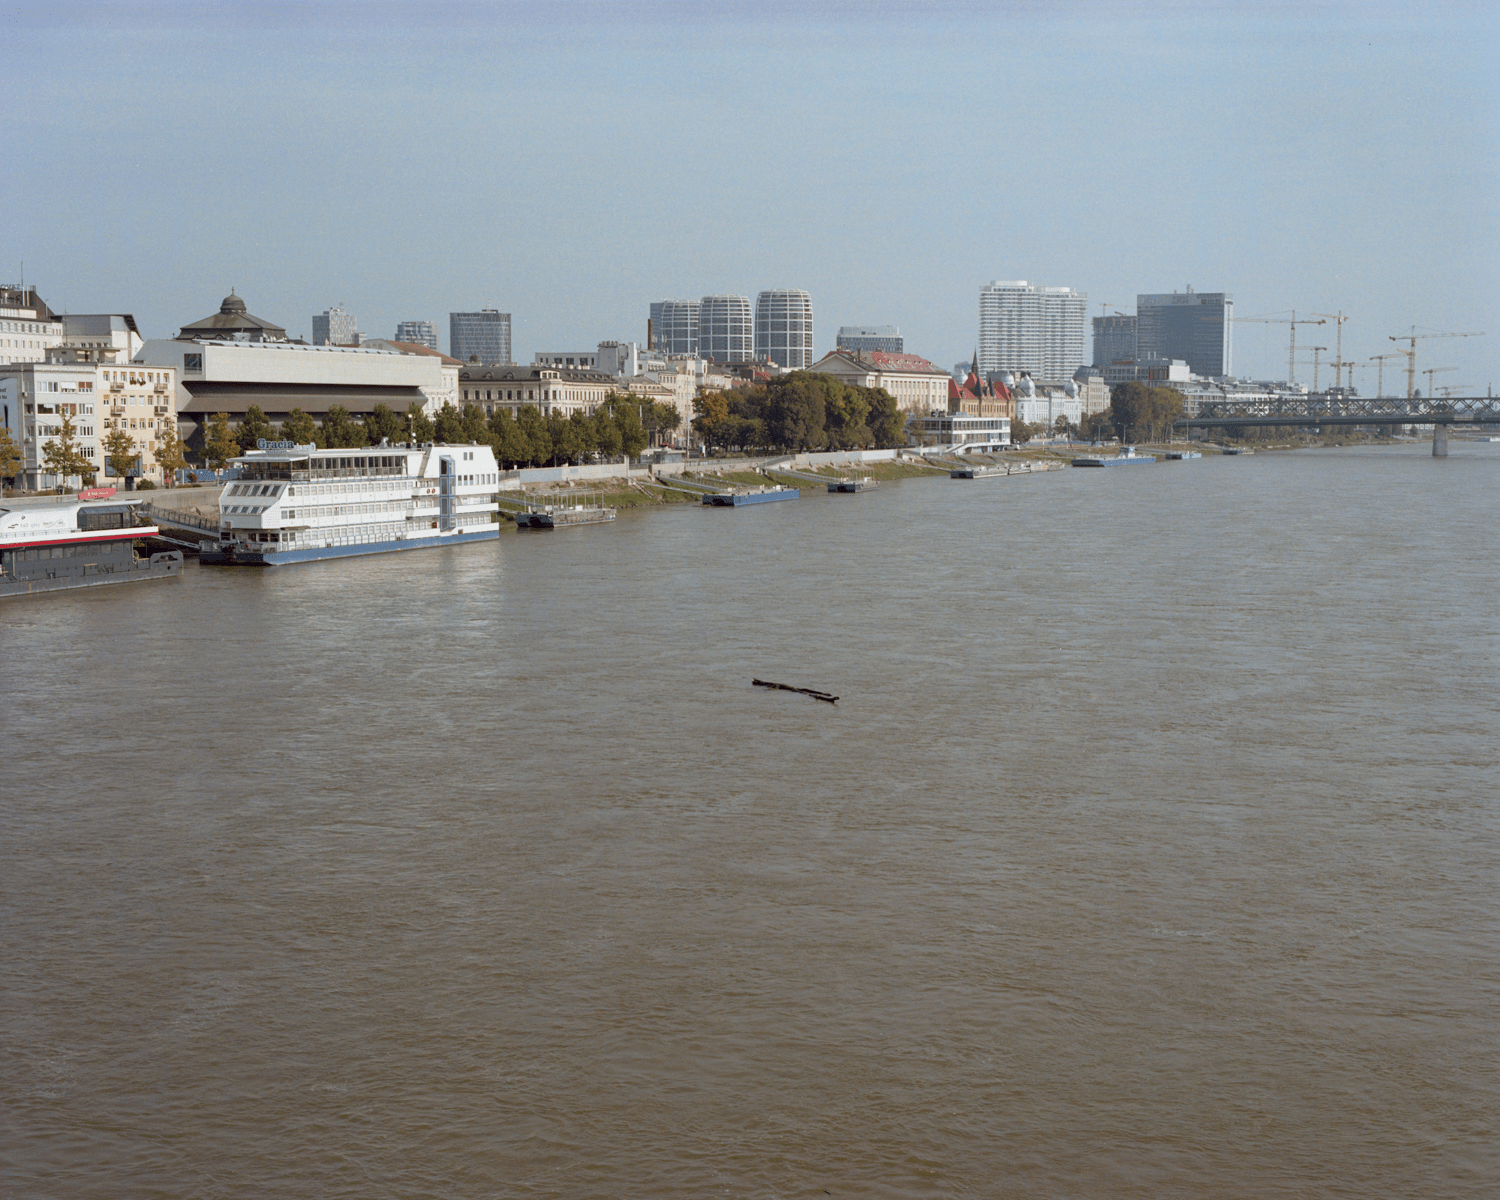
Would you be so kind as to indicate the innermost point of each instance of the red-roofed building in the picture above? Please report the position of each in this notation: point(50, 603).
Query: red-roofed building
point(978, 398)
point(918, 386)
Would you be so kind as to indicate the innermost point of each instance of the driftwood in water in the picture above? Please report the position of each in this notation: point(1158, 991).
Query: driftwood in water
point(786, 687)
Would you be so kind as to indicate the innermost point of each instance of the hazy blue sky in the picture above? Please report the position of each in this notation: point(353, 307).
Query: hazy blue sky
point(571, 162)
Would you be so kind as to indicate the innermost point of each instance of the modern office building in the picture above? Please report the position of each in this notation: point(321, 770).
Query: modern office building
point(885, 338)
point(420, 333)
point(482, 336)
point(726, 332)
point(334, 327)
point(1114, 340)
point(674, 327)
point(1038, 330)
point(1196, 327)
point(784, 328)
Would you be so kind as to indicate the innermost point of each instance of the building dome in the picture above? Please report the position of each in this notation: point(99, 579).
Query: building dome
point(1007, 379)
point(1027, 387)
point(1071, 389)
point(231, 304)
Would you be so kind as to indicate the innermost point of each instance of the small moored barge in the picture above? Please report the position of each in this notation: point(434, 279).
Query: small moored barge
point(1128, 457)
point(857, 483)
point(76, 545)
point(742, 496)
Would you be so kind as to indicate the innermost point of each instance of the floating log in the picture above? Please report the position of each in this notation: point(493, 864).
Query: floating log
point(826, 697)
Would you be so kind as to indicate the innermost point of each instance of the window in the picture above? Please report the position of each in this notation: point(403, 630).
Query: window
point(192, 362)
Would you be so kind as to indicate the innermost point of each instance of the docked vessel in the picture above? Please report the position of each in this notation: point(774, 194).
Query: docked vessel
point(742, 496)
point(299, 503)
point(975, 472)
point(560, 516)
point(1126, 458)
point(1237, 450)
point(76, 545)
point(1179, 455)
point(857, 483)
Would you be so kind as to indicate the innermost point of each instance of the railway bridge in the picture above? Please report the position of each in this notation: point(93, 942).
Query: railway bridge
point(1320, 410)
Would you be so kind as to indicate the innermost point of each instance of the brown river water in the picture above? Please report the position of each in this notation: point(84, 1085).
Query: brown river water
point(1150, 851)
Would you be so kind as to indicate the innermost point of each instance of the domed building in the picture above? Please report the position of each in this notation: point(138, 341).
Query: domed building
point(232, 323)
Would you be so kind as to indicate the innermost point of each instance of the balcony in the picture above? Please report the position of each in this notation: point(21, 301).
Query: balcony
point(117, 411)
point(163, 409)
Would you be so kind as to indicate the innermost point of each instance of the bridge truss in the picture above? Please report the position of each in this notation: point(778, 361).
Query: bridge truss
point(1320, 410)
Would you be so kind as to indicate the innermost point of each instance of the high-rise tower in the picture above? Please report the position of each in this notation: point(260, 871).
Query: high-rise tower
point(1197, 327)
point(482, 336)
point(784, 328)
point(674, 326)
point(1031, 329)
point(725, 331)
point(333, 327)
point(420, 333)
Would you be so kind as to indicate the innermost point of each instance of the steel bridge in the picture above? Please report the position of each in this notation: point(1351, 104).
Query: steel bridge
point(1439, 412)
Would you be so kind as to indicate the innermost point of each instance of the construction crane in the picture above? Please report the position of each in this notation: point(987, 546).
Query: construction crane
point(1338, 367)
point(1431, 371)
point(1411, 355)
point(1291, 355)
point(1316, 350)
point(1380, 377)
point(1457, 389)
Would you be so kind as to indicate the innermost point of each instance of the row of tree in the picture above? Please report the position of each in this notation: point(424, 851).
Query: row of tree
point(529, 439)
point(806, 410)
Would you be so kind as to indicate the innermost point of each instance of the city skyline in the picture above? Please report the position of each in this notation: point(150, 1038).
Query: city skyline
point(1302, 169)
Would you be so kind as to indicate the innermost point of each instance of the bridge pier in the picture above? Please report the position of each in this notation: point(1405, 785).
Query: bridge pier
point(1439, 441)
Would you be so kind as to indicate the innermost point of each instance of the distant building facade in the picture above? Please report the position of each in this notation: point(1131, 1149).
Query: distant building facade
point(784, 328)
point(334, 327)
point(674, 327)
point(885, 338)
point(1114, 341)
point(548, 389)
point(422, 333)
point(917, 385)
point(28, 328)
point(482, 336)
point(726, 331)
point(1038, 330)
point(1197, 327)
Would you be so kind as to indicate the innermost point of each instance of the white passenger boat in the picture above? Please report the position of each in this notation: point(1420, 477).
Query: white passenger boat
point(298, 503)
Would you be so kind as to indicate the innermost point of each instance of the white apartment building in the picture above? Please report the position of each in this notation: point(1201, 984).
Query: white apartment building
point(1038, 330)
point(918, 386)
point(28, 328)
point(334, 327)
point(726, 331)
point(784, 328)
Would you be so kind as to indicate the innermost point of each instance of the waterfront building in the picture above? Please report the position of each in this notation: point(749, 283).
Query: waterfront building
point(334, 327)
point(1197, 327)
point(885, 338)
point(917, 385)
point(548, 389)
point(1093, 391)
point(784, 329)
point(1114, 341)
point(980, 396)
point(673, 327)
point(422, 333)
point(959, 433)
point(28, 328)
point(1038, 330)
point(213, 373)
point(482, 336)
point(726, 332)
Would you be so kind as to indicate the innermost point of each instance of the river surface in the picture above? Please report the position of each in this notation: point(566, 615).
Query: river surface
point(1152, 850)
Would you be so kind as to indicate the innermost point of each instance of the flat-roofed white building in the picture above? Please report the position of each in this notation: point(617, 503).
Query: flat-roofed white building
point(28, 328)
point(959, 433)
point(1038, 330)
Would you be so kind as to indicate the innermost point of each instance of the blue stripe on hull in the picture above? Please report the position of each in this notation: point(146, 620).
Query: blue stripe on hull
point(313, 553)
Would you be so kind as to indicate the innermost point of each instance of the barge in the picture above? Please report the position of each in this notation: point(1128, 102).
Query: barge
point(858, 483)
point(742, 496)
point(1128, 458)
point(299, 504)
point(557, 516)
point(1179, 455)
point(74, 546)
point(976, 472)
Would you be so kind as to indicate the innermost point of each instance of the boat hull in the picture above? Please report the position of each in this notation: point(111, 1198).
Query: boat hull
point(241, 556)
point(166, 565)
point(738, 500)
point(1121, 461)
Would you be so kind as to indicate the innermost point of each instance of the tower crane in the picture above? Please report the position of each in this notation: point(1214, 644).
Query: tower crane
point(1291, 356)
point(1340, 318)
point(1380, 376)
point(1431, 371)
point(1411, 355)
point(1456, 390)
point(1316, 350)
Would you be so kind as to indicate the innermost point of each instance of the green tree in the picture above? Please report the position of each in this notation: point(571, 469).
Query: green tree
point(299, 428)
point(471, 420)
point(1097, 426)
point(449, 426)
point(10, 456)
point(660, 418)
point(796, 410)
point(120, 451)
point(847, 410)
point(339, 430)
point(384, 423)
point(1021, 432)
point(567, 446)
point(219, 443)
point(607, 439)
point(510, 443)
point(419, 424)
point(64, 456)
point(1063, 427)
point(627, 419)
point(533, 431)
point(1143, 413)
point(886, 420)
point(709, 410)
point(171, 455)
point(587, 432)
point(254, 425)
